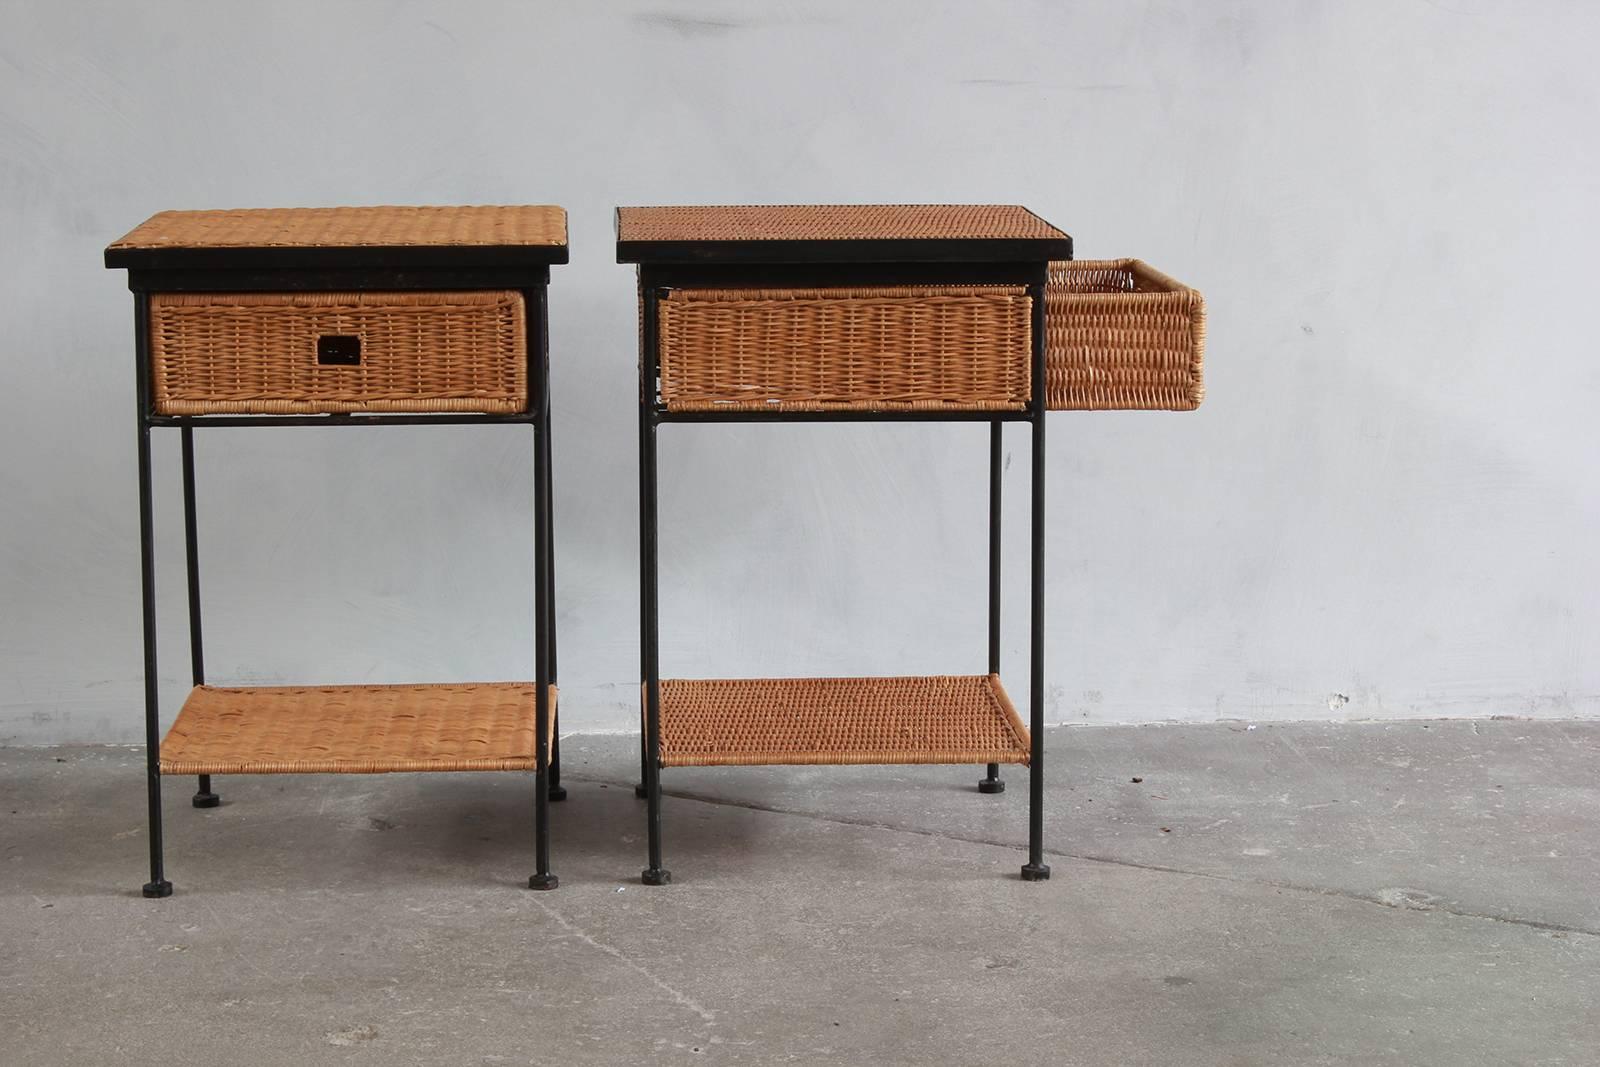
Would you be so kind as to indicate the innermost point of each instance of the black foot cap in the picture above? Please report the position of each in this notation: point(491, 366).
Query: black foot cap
point(543, 881)
point(1035, 872)
point(992, 785)
point(558, 792)
point(641, 792)
point(206, 800)
point(156, 890)
point(655, 876)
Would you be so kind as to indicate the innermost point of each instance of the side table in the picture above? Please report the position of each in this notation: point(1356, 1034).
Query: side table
point(843, 314)
point(347, 317)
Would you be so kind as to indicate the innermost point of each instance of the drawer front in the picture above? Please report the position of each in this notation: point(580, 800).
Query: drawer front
point(314, 353)
point(958, 348)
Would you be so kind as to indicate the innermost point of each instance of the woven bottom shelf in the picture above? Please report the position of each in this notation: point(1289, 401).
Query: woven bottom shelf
point(933, 719)
point(355, 729)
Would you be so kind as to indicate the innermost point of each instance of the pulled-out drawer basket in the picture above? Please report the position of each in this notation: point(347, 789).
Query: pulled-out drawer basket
point(959, 348)
point(313, 353)
point(1120, 334)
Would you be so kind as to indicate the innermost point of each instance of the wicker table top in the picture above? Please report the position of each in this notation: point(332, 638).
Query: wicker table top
point(817, 233)
point(346, 236)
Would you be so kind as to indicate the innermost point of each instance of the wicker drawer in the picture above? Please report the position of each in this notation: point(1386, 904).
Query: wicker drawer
point(881, 348)
point(295, 353)
point(1120, 334)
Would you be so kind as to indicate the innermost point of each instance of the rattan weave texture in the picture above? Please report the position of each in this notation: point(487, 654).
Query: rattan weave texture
point(822, 222)
point(256, 353)
point(872, 349)
point(937, 719)
point(360, 729)
point(387, 227)
point(1121, 335)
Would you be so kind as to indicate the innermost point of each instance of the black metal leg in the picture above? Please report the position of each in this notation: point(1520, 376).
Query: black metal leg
point(158, 886)
point(203, 797)
point(539, 384)
point(1036, 870)
point(992, 782)
point(655, 873)
point(557, 790)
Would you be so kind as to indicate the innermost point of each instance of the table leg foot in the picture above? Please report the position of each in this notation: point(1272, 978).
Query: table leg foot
point(1035, 872)
point(543, 881)
point(156, 890)
point(655, 876)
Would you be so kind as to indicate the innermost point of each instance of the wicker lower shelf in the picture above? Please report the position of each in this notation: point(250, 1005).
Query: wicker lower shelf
point(932, 719)
point(355, 729)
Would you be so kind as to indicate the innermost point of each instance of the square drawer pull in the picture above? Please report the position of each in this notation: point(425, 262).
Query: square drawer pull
point(339, 350)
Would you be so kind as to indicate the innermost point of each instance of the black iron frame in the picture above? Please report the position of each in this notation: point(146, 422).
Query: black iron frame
point(250, 273)
point(657, 277)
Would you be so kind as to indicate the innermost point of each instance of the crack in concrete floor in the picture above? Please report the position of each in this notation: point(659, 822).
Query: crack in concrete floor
point(1276, 922)
point(972, 839)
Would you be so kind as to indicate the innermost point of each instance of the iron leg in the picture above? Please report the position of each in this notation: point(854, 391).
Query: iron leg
point(544, 615)
point(204, 797)
point(655, 873)
point(992, 782)
point(157, 886)
point(1036, 870)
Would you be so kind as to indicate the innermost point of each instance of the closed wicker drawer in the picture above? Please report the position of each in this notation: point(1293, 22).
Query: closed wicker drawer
point(314, 353)
point(963, 348)
point(1120, 334)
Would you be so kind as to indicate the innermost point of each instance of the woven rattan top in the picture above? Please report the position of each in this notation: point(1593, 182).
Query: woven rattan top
point(838, 233)
point(360, 235)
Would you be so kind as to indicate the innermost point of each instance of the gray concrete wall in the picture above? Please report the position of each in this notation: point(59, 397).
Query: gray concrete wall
point(1386, 508)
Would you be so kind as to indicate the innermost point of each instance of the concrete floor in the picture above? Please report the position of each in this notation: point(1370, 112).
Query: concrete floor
point(1415, 893)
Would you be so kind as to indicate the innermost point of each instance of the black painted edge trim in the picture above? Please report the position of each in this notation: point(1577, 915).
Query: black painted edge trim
point(342, 257)
point(867, 250)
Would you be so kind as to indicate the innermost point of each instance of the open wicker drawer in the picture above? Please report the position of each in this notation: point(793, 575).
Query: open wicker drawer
point(877, 348)
point(1120, 334)
point(328, 352)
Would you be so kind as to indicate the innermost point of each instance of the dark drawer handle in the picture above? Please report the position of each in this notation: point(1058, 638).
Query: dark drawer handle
point(339, 350)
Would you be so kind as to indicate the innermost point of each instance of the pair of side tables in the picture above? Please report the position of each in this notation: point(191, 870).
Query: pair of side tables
point(439, 316)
